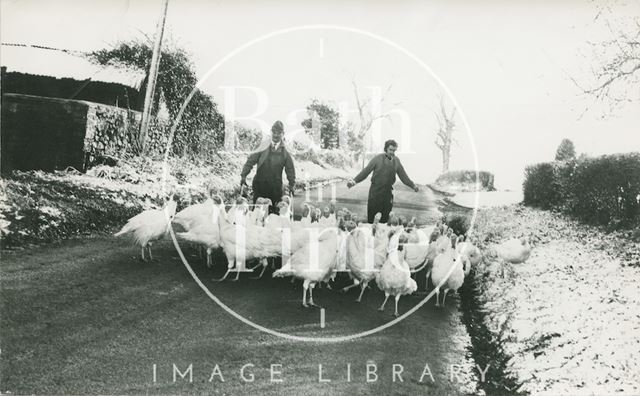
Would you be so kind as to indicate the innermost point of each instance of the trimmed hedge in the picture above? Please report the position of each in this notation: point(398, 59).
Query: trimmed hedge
point(467, 177)
point(541, 187)
point(602, 190)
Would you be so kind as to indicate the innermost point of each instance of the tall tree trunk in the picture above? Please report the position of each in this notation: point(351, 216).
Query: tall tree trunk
point(444, 135)
point(446, 154)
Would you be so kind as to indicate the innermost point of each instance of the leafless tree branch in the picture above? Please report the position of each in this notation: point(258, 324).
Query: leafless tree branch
point(617, 74)
point(366, 117)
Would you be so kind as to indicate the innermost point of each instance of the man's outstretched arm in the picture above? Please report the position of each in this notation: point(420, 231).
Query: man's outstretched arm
point(367, 169)
point(404, 177)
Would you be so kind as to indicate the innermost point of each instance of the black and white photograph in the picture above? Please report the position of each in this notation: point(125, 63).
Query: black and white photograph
point(320, 197)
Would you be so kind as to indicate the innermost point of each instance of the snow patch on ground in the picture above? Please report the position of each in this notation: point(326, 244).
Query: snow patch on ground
point(309, 171)
point(570, 315)
point(39, 206)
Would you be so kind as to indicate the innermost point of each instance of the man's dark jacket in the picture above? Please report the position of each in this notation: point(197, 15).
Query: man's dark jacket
point(384, 170)
point(267, 182)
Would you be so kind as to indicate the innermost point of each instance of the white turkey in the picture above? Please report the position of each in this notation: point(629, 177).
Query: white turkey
point(238, 211)
point(316, 215)
point(305, 220)
point(149, 226)
point(514, 251)
point(448, 272)
point(327, 219)
point(394, 278)
point(312, 266)
point(205, 233)
point(192, 215)
point(246, 242)
point(416, 248)
point(366, 253)
point(260, 211)
point(287, 212)
point(467, 248)
point(443, 243)
point(280, 220)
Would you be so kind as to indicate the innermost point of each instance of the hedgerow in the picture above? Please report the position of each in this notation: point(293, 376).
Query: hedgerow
point(602, 190)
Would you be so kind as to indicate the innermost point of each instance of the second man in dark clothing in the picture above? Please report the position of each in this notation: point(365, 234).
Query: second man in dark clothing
point(267, 182)
point(384, 166)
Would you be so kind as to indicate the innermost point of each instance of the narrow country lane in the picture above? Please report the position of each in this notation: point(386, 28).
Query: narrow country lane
point(86, 316)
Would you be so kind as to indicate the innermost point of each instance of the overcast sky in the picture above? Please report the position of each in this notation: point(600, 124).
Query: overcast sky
point(506, 64)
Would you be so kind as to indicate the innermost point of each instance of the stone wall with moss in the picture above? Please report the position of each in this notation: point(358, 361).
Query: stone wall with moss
point(110, 131)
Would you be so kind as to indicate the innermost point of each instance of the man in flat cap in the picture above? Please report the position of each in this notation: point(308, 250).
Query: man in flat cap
point(270, 161)
point(384, 166)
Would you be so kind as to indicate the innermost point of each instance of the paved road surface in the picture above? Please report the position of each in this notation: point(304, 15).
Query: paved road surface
point(85, 316)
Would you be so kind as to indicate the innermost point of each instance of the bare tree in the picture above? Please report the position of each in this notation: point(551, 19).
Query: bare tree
point(366, 117)
point(617, 74)
point(444, 136)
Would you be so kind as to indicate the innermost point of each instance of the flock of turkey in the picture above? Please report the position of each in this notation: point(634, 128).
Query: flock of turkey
point(321, 244)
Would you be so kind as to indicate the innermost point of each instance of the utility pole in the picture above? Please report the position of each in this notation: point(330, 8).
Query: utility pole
point(153, 75)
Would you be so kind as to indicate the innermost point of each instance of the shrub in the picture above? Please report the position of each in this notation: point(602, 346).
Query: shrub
point(335, 158)
point(247, 139)
point(302, 153)
point(201, 126)
point(541, 185)
point(468, 178)
point(458, 223)
point(603, 190)
point(323, 124)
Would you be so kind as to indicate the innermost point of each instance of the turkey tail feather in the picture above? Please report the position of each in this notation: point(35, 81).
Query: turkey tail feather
point(124, 230)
